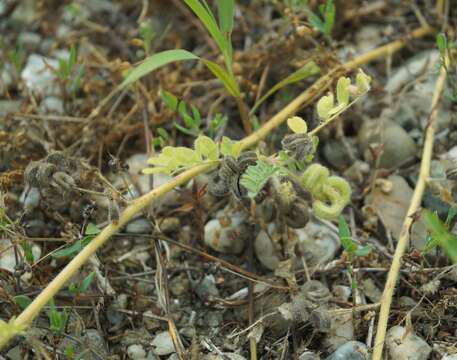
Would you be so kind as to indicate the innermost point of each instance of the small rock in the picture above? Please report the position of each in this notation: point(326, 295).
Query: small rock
point(370, 290)
point(449, 357)
point(352, 350)
point(163, 344)
point(342, 292)
point(341, 331)
point(403, 345)
point(336, 154)
point(265, 251)
point(136, 352)
point(227, 234)
point(309, 355)
point(391, 208)
point(317, 242)
point(52, 105)
point(407, 301)
point(138, 226)
point(206, 287)
point(368, 37)
point(397, 145)
point(7, 257)
point(38, 77)
point(96, 342)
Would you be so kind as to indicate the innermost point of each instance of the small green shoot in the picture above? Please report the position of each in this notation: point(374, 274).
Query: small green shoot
point(192, 120)
point(161, 137)
point(326, 20)
point(17, 56)
point(25, 245)
point(57, 319)
point(147, 34)
point(78, 245)
point(69, 73)
point(22, 301)
point(349, 245)
point(78, 288)
point(440, 234)
point(307, 70)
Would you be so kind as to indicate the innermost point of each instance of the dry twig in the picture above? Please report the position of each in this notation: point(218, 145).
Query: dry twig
point(392, 277)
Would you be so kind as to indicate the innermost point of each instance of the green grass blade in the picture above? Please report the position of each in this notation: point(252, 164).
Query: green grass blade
point(226, 11)
point(205, 15)
point(309, 69)
point(155, 61)
point(228, 81)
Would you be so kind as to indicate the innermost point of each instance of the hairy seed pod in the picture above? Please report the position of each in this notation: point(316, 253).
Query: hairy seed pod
point(45, 173)
point(267, 210)
point(298, 214)
point(299, 146)
point(245, 159)
point(31, 174)
point(316, 292)
point(63, 180)
point(451, 173)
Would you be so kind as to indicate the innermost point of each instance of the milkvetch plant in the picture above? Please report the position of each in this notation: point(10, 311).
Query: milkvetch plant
point(330, 194)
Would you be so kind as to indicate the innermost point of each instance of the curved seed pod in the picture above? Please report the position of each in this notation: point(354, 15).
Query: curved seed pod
point(299, 146)
point(267, 210)
point(246, 159)
point(31, 173)
point(229, 168)
point(451, 173)
point(314, 177)
point(316, 292)
point(337, 192)
point(63, 180)
point(44, 174)
point(298, 214)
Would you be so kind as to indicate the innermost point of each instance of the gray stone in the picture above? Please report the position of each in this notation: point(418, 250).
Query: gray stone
point(136, 352)
point(265, 251)
point(226, 234)
point(163, 343)
point(397, 145)
point(39, 78)
point(406, 345)
point(352, 350)
point(52, 105)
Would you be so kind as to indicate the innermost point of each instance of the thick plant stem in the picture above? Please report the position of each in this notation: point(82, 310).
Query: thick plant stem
point(27, 316)
point(392, 276)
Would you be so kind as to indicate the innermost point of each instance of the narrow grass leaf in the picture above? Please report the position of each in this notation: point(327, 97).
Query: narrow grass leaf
point(223, 75)
point(155, 61)
point(307, 70)
point(226, 11)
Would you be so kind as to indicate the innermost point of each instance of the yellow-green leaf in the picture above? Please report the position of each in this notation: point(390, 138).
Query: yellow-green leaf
point(229, 147)
point(362, 82)
point(342, 90)
point(297, 125)
point(206, 148)
point(324, 106)
point(185, 156)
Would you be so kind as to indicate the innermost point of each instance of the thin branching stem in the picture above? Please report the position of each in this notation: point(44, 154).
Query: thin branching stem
point(26, 317)
point(414, 205)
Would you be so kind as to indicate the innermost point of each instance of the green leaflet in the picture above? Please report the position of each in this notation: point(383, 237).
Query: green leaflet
point(255, 177)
